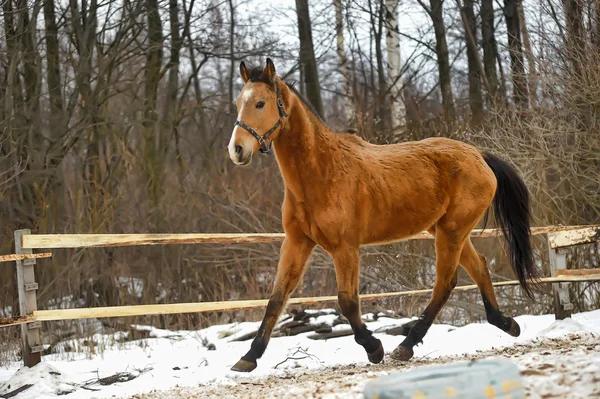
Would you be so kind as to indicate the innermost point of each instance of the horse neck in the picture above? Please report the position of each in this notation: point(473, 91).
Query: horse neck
point(304, 149)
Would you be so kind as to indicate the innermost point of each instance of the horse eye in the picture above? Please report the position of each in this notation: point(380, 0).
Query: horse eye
point(260, 104)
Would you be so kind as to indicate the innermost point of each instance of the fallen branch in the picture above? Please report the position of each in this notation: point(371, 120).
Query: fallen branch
point(299, 350)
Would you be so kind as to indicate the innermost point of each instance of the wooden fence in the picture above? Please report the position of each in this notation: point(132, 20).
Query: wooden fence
point(30, 318)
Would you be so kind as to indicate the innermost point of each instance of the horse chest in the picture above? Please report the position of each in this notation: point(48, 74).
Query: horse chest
point(316, 224)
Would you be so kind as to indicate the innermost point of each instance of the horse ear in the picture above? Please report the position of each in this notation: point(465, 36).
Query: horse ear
point(269, 73)
point(244, 72)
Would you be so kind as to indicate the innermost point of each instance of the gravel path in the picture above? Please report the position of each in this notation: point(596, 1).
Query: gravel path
point(552, 368)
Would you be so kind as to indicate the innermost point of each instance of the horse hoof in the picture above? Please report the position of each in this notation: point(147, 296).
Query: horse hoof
point(514, 329)
point(376, 356)
point(244, 366)
point(402, 354)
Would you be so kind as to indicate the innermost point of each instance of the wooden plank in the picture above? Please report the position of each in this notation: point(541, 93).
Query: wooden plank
point(199, 307)
point(562, 239)
point(333, 334)
point(123, 240)
point(577, 272)
point(15, 257)
point(34, 241)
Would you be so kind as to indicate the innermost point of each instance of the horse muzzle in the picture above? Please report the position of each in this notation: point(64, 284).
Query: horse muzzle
point(240, 157)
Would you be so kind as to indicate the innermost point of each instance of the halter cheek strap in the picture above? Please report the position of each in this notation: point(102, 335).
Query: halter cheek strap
point(262, 140)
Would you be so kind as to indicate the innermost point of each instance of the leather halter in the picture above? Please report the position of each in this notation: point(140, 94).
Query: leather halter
point(262, 140)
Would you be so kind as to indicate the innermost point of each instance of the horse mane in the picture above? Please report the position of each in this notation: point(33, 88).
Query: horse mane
point(348, 131)
point(306, 103)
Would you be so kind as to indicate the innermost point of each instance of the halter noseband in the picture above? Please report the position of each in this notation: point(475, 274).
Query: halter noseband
point(262, 140)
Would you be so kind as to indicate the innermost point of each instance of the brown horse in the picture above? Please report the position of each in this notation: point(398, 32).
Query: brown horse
point(342, 192)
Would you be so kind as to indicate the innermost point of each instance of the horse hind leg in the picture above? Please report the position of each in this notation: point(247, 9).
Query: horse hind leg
point(448, 247)
point(476, 266)
point(346, 261)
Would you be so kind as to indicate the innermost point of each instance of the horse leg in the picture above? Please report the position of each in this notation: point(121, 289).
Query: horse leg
point(476, 266)
point(448, 246)
point(347, 266)
point(295, 250)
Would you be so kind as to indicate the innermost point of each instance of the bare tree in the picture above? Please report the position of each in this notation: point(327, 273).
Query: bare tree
point(515, 50)
point(394, 76)
point(153, 140)
point(307, 57)
point(172, 109)
point(529, 55)
point(475, 97)
point(344, 70)
point(576, 38)
point(53, 69)
point(436, 13)
point(488, 40)
point(232, 60)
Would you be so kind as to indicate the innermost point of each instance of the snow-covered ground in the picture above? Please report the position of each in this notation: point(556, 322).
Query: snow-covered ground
point(171, 361)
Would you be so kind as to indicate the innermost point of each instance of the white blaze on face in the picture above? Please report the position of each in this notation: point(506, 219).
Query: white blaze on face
point(246, 94)
point(231, 146)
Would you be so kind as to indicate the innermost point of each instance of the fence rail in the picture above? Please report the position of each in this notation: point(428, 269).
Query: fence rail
point(55, 241)
point(558, 238)
point(202, 307)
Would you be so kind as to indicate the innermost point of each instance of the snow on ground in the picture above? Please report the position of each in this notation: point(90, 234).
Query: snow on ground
point(184, 359)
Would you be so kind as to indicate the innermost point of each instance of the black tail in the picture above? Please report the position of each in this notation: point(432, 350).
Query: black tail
point(512, 214)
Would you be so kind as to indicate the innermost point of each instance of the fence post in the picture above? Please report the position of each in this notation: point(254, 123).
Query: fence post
point(27, 287)
point(562, 301)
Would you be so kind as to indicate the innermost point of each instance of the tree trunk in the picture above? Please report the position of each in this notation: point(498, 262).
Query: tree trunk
point(232, 74)
point(383, 105)
point(53, 69)
point(31, 70)
point(597, 18)
point(488, 40)
point(171, 105)
point(152, 135)
point(573, 10)
point(475, 98)
point(195, 67)
point(307, 57)
point(515, 49)
point(394, 70)
point(347, 103)
point(502, 81)
point(441, 48)
point(529, 54)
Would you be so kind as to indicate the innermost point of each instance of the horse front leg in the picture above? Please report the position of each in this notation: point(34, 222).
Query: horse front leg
point(295, 250)
point(347, 265)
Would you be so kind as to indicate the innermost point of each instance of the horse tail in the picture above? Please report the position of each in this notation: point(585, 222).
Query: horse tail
point(513, 215)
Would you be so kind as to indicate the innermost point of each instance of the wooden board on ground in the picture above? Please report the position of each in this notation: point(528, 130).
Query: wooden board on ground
point(329, 335)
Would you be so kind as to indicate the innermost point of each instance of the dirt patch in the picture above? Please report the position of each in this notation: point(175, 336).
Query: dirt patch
point(552, 368)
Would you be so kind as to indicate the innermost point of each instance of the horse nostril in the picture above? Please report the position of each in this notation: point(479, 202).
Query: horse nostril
point(239, 150)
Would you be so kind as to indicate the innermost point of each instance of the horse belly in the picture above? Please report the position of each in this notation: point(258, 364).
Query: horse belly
point(405, 217)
